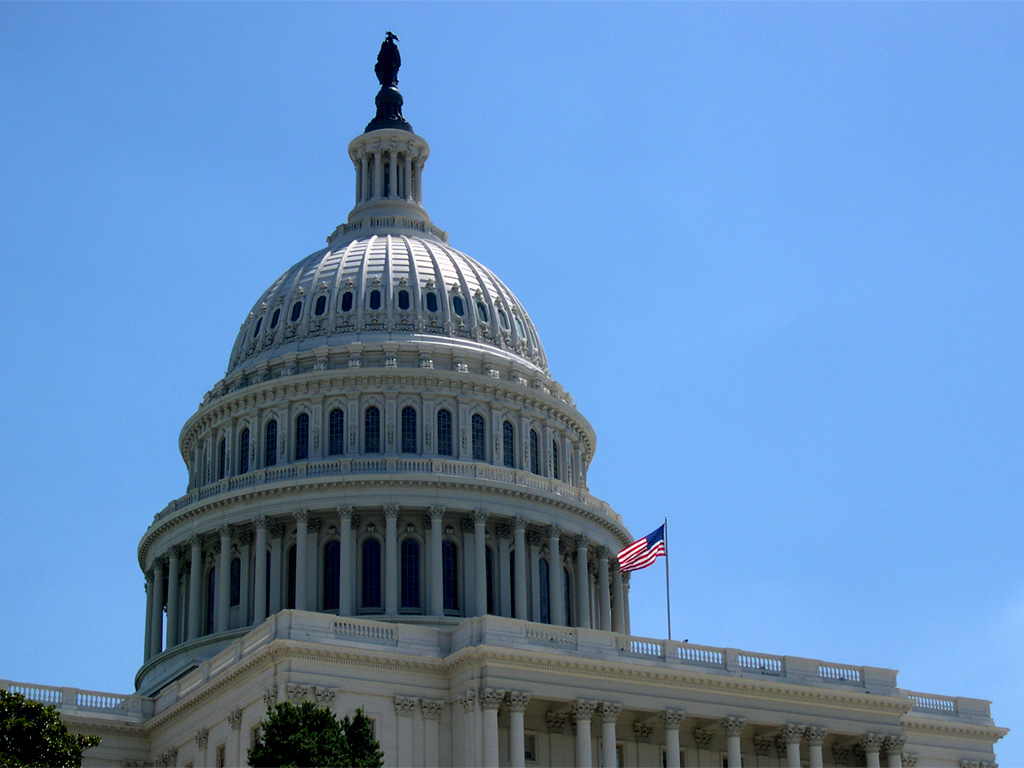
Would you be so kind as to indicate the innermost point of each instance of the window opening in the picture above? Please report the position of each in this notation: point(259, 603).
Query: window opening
point(555, 470)
point(222, 459)
point(371, 573)
point(256, 330)
point(489, 558)
point(270, 444)
point(211, 582)
point(336, 432)
point(481, 310)
point(450, 575)
point(321, 305)
point(458, 306)
point(503, 318)
point(408, 429)
point(432, 302)
point(302, 436)
point(243, 452)
point(410, 573)
point(375, 299)
point(371, 430)
point(332, 571)
point(534, 452)
point(444, 433)
point(403, 300)
point(545, 597)
point(292, 557)
point(479, 438)
point(508, 444)
point(567, 593)
point(512, 581)
point(236, 582)
point(296, 310)
point(274, 318)
point(346, 301)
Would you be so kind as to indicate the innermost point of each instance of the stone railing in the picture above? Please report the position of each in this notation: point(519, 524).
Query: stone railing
point(71, 701)
point(353, 468)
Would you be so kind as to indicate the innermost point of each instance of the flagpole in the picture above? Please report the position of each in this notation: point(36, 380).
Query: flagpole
point(668, 593)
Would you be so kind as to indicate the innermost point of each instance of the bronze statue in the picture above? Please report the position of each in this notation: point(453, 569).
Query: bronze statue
point(388, 62)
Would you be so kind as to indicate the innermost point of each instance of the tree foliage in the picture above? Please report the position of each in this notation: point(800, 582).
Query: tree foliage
point(32, 734)
point(310, 735)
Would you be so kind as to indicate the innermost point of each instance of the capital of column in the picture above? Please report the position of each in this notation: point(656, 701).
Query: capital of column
point(313, 525)
point(908, 760)
point(642, 731)
point(260, 521)
point(436, 513)
point(344, 510)
point(235, 718)
point(302, 516)
point(466, 699)
point(762, 745)
point(276, 530)
point(625, 579)
point(466, 524)
point(404, 706)
point(554, 531)
point(894, 744)
point(519, 523)
point(672, 718)
point(702, 738)
point(581, 541)
point(609, 711)
point(872, 742)
point(816, 735)
point(390, 511)
point(431, 709)
point(841, 753)
point(603, 553)
point(583, 709)
point(792, 734)
point(533, 538)
point(479, 517)
point(491, 698)
point(517, 700)
point(555, 722)
point(245, 538)
point(503, 530)
point(160, 563)
point(195, 540)
point(202, 738)
point(733, 726)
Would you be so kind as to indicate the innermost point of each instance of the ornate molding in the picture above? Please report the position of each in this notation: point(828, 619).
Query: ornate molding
point(733, 726)
point(791, 734)
point(431, 709)
point(609, 711)
point(467, 699)
point(202, 738)
point(270, 697)
point(672, 718)
point(554, 531)
point(894, 744)
point(555, 722)
point(583, 709)
point(816, 735)
point(517, 700)
point(762, 745)
point(404, 707)
point(491, 698)
point(391, 511)
point(642, 731)
point(702, 738)
point(871, 742)
point(235, 718)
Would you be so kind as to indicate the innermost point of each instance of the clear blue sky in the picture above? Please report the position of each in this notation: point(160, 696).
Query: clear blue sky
point(773, 250)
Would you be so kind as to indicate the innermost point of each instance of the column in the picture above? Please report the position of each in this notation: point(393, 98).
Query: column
point(894, 751)
point(556, 581)
point(480, 562)
point(195, 581)
point(625, 602)
point(436, 565)
point(469, 737)
point(815, 738)
point(582, 711)
point(363, 178)
point(157, 619)
point(391, 559)
point(533, 539)
point(431, 731)
point(147, 633)
point(235, 756)
point(245, 588)
point(392, 174)
point(312, 562)
point(173, 597)
point(468, 567)
point(603, 589)
point(522, 563)
point(504, 570)
point(346, 557)
point(792, 735)
point(733, 729)
point(619, 609)
point(609, 714)
point(490, 701)
point(301, 546)
point(872, 744)
point(404, 708)
point(276, 558)
point(223, 586)
point(408, 176)
point(259, 608)
point(517, 702)
point(378, 177)
point(672, 718)
point(582, 584)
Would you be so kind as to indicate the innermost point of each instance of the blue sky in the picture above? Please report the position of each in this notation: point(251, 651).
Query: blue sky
point(773, 250)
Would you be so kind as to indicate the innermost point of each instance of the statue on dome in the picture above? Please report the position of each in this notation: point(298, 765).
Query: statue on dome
point(388, 61)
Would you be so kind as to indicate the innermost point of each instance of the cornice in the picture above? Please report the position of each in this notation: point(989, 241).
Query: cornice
point(980, 732)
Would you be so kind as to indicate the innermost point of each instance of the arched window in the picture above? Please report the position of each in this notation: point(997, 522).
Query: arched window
point(403, 300)
point(321, 305)
point(236, 582)
point(431, 302)
point(291, 578)
point(371, 574)
point(545, 598)
point(408, 429)
point(332, 570)
point(211, 596)
point(371, 430)
point(489, 563)
point(450, 575)
point(275, 318)
point(479, 438)
point(256, 330)
point(336, 432)
point(375, 299)
point(302, 436)
point(222, 458)
point(481, 311)
point(296, 310)
point(556, 472)
point(567, 592)
point(243, 452)
point(410, 573)
point(444, 432)
point(508, 444)
point(458, 306)
point(534, 452)
point(346, 301)
point(270, 444)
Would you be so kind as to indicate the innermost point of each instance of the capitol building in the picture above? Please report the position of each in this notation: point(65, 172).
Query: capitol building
point(388, 507)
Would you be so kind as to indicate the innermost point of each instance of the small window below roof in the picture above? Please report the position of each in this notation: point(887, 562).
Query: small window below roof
point(321, 305)
point(403, 300)
point(374, 299)
point(274, 318)
point(296, 310)
point(432, 302)
point(503, 318)
point(519, 327)
point(481, 310)
point(458, 306)
point(346, 301)
point(256, 330)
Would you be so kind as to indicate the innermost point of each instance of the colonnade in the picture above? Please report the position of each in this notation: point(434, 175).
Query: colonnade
point(467, 563)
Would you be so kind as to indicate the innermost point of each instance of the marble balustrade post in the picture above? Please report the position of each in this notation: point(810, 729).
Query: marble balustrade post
point(195, 581)
point(436, 562)
point(259, 608)
point(582, 583)
point(523, 562)
point(391, 559)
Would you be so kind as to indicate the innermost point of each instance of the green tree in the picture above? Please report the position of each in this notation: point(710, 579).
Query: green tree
point(310, 735)
point(32, 734)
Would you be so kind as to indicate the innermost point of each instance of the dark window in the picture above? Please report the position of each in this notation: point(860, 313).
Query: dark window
point(346, 301)
point(243, 452)
point(374, 299)
point(519, 327)
point(481, 310)
point(408, 429)
point(512, 581)
point(371, 573)
point(403, 299)
point(332, 570)
point(292, 557)
point(222, 459)
point(444, 432)
point(567, 593)
point(545, 596)
point(371, 430)
point(555, 471)
point(336, 432)
point(296, 310)
point(302, 436)
point(489, 562)
point(236, 582)
point(450, 575)
point(211, 596)
point(432, 302)
point(479, 438)
point(270, 444)
point(321, 305)
point(503, 318)
point(275, 317)
point(458, 306)
point(410, 573)
point(508, 444)
point(534, 452)
point(387, 180)
point(256, 330)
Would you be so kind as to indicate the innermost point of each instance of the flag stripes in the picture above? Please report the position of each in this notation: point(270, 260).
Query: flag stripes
point(643, 552)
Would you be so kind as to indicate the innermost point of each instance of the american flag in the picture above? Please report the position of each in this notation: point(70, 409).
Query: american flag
point(642, 552)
